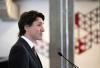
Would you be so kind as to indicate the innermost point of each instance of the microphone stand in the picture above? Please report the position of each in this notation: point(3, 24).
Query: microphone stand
point(60, 54)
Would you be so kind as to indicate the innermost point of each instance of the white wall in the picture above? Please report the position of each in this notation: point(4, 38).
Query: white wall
point(8, 36)
point(90, 58)
point(85, 6)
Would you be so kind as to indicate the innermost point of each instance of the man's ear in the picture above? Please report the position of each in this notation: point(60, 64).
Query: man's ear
point(26, 27)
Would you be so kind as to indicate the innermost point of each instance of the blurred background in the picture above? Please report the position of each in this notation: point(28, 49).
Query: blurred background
point(79, 19)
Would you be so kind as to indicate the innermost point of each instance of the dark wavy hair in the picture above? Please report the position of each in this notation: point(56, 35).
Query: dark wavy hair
point(27, 18)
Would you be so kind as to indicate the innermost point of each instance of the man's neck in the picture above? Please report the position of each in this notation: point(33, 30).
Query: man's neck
point(30, 38)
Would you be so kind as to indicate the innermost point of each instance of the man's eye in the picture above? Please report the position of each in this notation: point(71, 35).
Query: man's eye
point(39, 25)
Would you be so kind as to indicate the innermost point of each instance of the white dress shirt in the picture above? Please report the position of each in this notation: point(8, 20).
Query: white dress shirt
point(31, 44)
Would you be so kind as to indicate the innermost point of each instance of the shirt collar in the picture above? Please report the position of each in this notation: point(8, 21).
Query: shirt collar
point(31, 44)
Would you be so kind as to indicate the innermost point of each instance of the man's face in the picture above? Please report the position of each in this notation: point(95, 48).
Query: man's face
point(36, 29)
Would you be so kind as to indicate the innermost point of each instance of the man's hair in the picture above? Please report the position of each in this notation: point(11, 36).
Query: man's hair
point(27, 18)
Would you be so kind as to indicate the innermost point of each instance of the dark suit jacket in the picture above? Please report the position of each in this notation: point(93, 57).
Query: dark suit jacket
point(22, 56)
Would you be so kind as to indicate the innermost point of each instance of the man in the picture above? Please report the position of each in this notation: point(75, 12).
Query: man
point(23, 54)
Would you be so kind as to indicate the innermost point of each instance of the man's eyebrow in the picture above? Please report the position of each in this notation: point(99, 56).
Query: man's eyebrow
point(41, 22)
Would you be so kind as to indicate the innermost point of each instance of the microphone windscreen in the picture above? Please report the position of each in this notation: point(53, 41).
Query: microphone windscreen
point(59, 53)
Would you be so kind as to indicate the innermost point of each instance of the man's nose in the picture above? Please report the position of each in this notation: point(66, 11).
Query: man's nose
point(42, 29)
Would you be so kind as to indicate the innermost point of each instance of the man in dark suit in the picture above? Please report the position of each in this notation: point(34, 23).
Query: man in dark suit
point(23, 54)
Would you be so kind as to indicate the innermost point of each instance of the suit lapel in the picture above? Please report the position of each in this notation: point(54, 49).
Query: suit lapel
point(39, 61)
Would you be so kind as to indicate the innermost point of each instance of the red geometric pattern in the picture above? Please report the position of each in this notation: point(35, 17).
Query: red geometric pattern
point(88, 30)
point(80, 47)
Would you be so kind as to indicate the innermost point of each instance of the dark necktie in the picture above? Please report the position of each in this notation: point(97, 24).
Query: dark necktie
point(34, 51)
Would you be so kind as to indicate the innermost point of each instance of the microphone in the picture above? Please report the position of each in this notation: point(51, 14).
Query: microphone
point(60, 54)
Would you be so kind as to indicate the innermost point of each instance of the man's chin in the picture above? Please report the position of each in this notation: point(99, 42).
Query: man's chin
point(39, 39)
